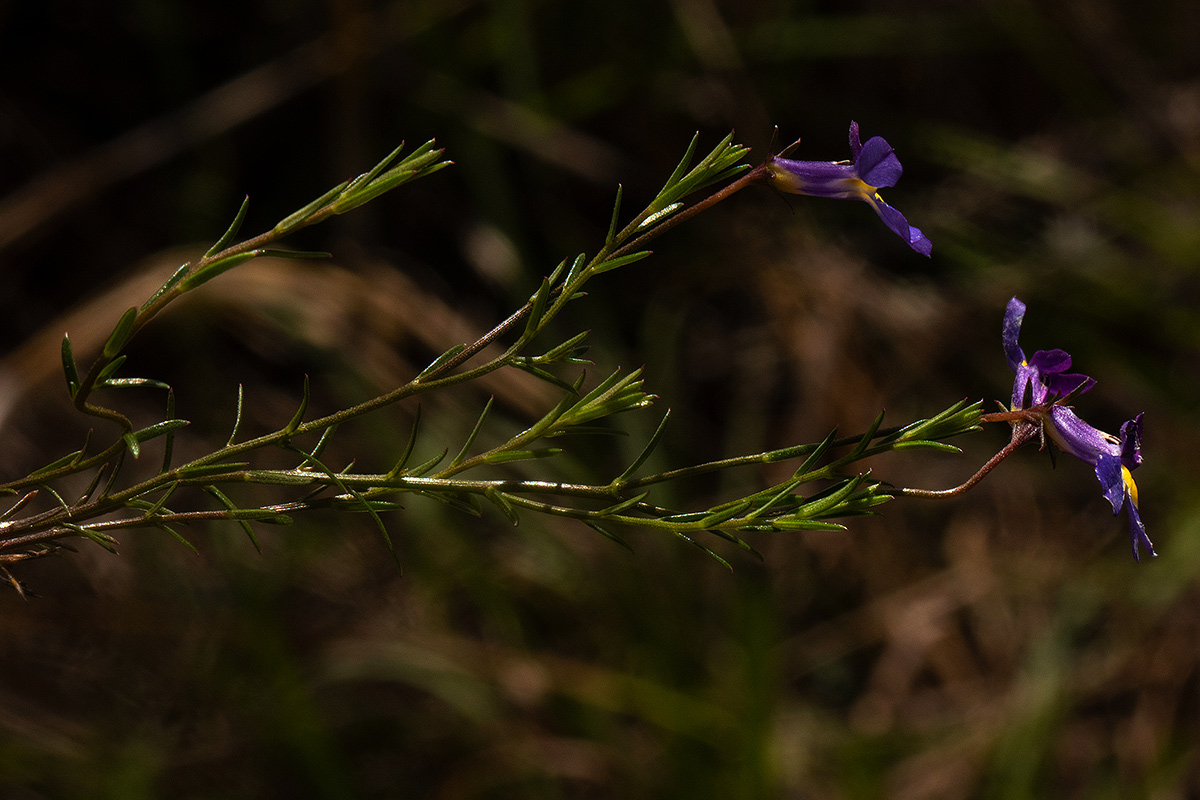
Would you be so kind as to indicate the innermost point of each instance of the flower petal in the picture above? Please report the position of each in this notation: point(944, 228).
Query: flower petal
point(877, 164)
point(1012, 330)
point(855, 143)
point(1131, 442)
point(899, 224)
point(1112, 480)
point(1137, 533)
point(1079, 439)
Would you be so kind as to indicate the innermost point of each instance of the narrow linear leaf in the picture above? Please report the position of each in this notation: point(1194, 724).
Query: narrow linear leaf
point(299, 218)
point(509, 456)
point(866, 439)
point(737, 540)
point(614, 263)
point(383, 531)
point(323, 442)
point(408, 447)
point(717, 517)
point(622, 506)
point(192, 473)
point(131, 383)
point(570, 347)
point(132, 444)
point(442, 359)
point(219, 267)
point(69, 369)
point(612, 225)
point(178, 536)
point(21, 503)
point(102, 539)
point(658, 216)
point(234, 227)
point(66, 460)
point(374, 172)
point(499, 500)
point(120, 334)
point(707, 551)
point(422, 468)
point(926, 444)
point(462, 454)
point(158, 504)
point(542, 374)
point(681, 168)
point(607, 534)
point(537, 308)
point(816, 456)
point(298, 254)
point(91, 487)
point(827, 501)
point(466, 504)
point(573, 273)
point(110, 368)
point(229, 505)
point(175, 278)
point(237, 418)
point(646, 451)
point(294, 423)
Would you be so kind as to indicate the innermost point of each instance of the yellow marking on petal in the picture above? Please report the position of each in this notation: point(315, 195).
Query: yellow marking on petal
point(1130, 486)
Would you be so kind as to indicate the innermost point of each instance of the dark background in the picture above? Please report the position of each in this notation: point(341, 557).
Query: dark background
point(1001, 645)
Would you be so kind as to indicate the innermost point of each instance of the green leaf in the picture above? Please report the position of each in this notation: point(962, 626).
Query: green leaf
point(612, 537)
point(646, 451)
point(110, 368)
point(237, 418)
point(234, 227)
point(205, 470)
point(542, 374)
point(424, 467)
point(131, 383)
point(102, 539)
point(294, 423)
point(499, 500)
point(717, 517)
point(612, 225)
point(65, 461)
point(159, 428)
point(737, 540)
point(19, 504)
point(222, 265)
point(440, 360)
point(69, 369)
point(816, 455)
point(681, 168)
point(229, 504)
point(462, 454)
point(614, 263)
point(537, 308)
point(120, 335)
point(408, 448)
point(299, 218)
point(178, 537)
point(622, 506)
point(565, 350)
point(710, 553)
point(175, 278)
point(169, 445)
point(509, 456)
point(659, 216)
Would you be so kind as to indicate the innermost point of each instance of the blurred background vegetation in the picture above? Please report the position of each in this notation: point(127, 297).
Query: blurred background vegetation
point(1001, 645)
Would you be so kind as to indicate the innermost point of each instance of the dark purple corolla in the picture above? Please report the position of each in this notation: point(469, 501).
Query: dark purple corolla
point(874, 166)
point(1043, 387)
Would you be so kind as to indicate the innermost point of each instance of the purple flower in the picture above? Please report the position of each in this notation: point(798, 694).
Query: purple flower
point(875, 165)
point(1043, 386)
